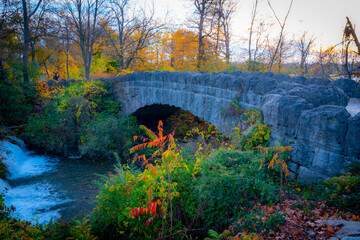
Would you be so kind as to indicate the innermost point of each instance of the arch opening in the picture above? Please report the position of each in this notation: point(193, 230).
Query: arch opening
point(174, 118)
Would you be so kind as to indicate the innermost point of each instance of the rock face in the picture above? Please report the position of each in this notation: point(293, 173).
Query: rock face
point(308, 114)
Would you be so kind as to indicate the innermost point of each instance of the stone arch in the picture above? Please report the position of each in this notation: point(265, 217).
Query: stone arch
point(308, 114)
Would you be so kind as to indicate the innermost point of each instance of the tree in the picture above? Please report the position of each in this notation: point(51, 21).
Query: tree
point(254, 13)
point(88, 20)
point(39, 26)
point(224, 10)
point(203, 11)
point(27, 14)
point(8, 32)
point(349, 37)
point(184, 48)
point(303, 45)
point(258, 40)
point(326, 65)
point(282, 27)
point(350, 31)
point(133, 32)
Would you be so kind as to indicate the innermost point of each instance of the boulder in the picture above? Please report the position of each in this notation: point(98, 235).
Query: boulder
point(281, 113)
point(249, 83)
point(63, 83)
point(353, 137)
point(318, 81)
point(265, 85)
point(309, 176)
point(350, 87)
point(324, 127)
point(298, 79)
point(279, 77)
point(289, 85)
point(348, 229)
point(320, 95)
point(326, 95)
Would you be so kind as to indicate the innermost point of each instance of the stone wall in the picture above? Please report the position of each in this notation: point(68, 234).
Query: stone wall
point(308, 114)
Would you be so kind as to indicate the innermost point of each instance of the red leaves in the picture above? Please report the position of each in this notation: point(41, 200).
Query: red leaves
point(151, 209)
point(148, 222)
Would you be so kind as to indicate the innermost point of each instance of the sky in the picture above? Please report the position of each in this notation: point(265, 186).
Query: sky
point(325, 19)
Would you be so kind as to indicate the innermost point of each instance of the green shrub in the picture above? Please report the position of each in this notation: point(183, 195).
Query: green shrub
point(254, 136)
point(122, 192)
point(107, 134)
point(343, 192)
point(52, 131)
point(17, 97)
point(129, 188)
point(83, 115)
point(230, 182)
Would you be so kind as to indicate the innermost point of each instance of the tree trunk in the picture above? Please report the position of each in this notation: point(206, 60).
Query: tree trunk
point(67, 65)
point(352, 31)
point(32, 45)
point(201, 43)
point(87, 71)
point(46, 70)
point(251, 31)
point(347, 60)
point(2, 71)
point(227, 49)
point(26, 42)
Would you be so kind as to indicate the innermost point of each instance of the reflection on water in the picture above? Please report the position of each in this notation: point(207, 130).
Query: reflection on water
point(41, 187)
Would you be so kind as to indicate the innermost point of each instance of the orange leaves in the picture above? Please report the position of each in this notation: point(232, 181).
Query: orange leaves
point(138, 147)
point(140, 157)
point(160, 128)
point(277, 158)
point(153, 169)
point(330, 229)
point(355, 218)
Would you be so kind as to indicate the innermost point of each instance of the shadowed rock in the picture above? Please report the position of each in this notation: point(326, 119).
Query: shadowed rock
point(350, 87)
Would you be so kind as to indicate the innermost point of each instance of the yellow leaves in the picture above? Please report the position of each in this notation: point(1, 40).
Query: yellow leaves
point(175, 194)
point(167, 154)
point(286, 148)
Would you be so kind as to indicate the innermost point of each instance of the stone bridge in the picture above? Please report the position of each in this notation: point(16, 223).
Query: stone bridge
point(308, 114)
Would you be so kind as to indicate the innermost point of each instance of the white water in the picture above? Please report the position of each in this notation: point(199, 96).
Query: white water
point(41, 188)
point(33, 198)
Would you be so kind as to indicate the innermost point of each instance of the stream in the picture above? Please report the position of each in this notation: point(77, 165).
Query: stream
point(43, 188)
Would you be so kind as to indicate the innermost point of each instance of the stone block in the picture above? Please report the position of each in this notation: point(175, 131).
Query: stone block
point(324, 127)
point(350, 87)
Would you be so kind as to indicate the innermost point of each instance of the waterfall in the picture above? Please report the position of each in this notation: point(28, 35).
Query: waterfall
point(23, 163)
point(31, 195)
